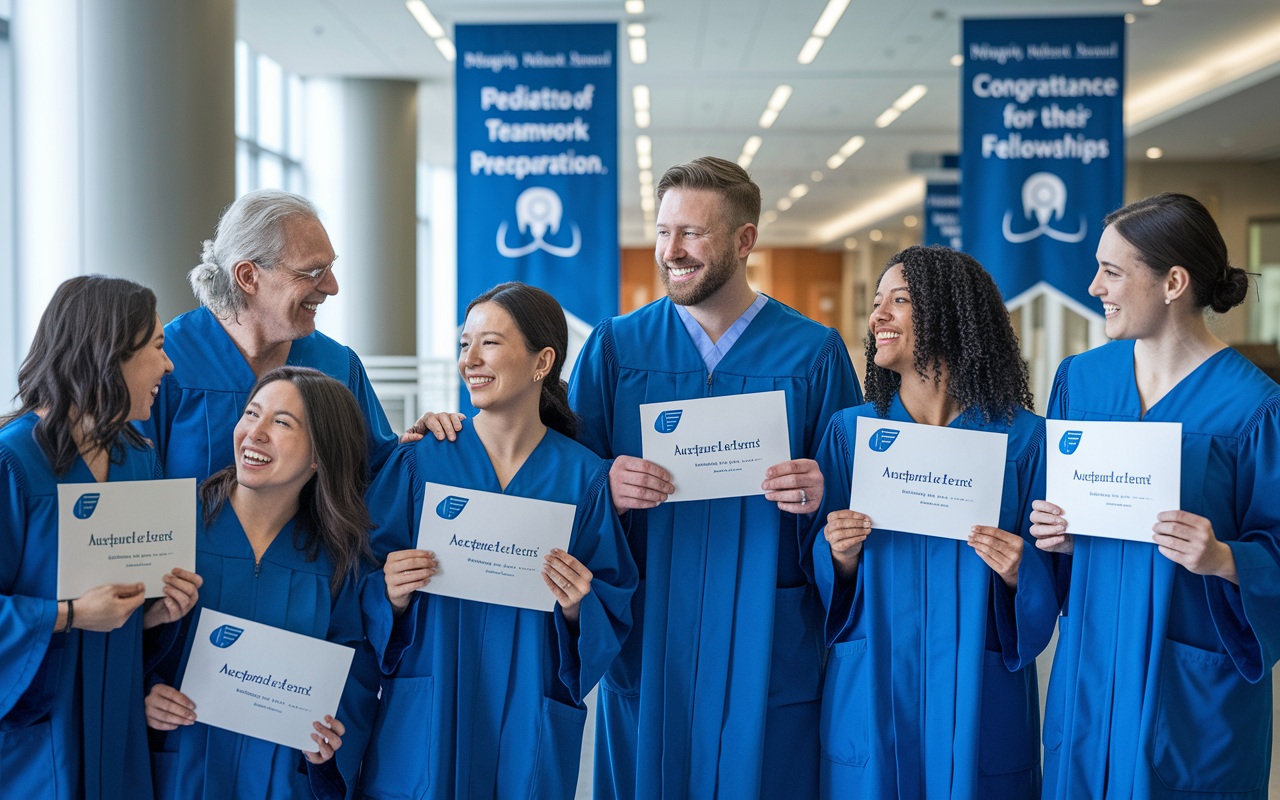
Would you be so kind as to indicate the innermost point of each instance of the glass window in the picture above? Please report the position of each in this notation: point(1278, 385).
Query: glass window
point(271, 111)
point(270, 124)
point(244, 97)
point(296, 123)
point(270, 172)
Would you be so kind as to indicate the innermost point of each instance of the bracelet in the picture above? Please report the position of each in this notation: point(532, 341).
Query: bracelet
point(71, 615)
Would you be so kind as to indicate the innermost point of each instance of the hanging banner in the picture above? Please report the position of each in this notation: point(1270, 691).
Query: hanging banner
point(942, 215)
point(1042, 148)
point(537, 138)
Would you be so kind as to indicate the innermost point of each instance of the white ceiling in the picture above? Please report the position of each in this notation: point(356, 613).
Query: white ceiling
point(714, 63)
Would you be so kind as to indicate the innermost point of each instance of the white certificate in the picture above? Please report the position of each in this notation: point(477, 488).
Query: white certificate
point(717, 446)
point(262, 681)
point(1112, 479)
point(927, 479)
point(490, 546)
point(124, 532)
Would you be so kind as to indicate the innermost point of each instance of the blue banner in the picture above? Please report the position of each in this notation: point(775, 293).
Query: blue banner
point(942, 215)
point(537, 138)
point(1042, 147)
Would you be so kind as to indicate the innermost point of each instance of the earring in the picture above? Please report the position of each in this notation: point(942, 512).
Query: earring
point(537, 376)
point(1166, 301)
point(315, 466)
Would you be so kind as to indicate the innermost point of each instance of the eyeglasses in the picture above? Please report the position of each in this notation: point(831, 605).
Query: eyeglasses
point(313, 275)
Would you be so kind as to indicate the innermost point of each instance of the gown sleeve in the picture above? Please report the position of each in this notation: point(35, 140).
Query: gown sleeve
point(1057, 409)
point(835, 459)
point(604, 618)
point(382, 440)
point(336, 778)
point(1025, 619)
point(591, 390)
point(26, 623)
point(390, 501)
point(1247, 616)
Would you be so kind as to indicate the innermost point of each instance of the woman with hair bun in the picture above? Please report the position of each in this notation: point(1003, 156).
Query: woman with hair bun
point(1161, 682)
point(479, 699)
point(931, 684)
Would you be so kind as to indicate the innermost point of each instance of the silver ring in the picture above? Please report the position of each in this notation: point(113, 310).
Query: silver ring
point(804, 498)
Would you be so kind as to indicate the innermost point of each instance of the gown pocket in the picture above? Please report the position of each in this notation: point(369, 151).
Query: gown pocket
point(1007, 740)
point(26, 760)
point(1213, 728)
point(397, 765)
point(559, 751)
point(846, 705)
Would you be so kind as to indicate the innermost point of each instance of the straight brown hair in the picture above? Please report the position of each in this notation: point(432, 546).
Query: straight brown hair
point(739, 195)
point(331, 510)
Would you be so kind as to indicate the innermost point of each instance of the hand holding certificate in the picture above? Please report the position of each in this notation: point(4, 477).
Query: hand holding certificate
point(717, 446)
point(1113, 479)
point(261, 681)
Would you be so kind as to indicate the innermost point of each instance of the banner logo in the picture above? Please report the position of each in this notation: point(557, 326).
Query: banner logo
point(1069, 442)
point(668, 420)
point(1046, 195)
point(451, 507)
point(83, 509)
point(225, 635)
point(882, 439)
point(538, 209)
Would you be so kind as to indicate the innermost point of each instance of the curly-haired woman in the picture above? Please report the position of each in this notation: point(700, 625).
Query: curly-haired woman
point(931, 684)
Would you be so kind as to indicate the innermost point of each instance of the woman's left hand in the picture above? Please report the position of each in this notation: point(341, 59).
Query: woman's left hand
point(181, 591)
point(568, 580)
point(1000, 549)
point(1187, 539)
point(329, 739)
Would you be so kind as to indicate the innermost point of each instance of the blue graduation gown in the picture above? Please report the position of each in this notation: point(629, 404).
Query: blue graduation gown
point(931, 685)
point(200, 403)
point(716, 692)
point(286, 591)
point(1161, 682)
point(71, 714)
point(483, 700)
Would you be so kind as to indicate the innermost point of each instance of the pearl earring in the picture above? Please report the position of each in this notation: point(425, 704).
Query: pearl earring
point(1166, 301)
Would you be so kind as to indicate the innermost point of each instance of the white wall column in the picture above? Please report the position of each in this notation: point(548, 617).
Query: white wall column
point(362, 172)
point(125, 140)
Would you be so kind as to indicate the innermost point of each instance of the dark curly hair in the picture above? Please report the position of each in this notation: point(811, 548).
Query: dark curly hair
point(957, 317)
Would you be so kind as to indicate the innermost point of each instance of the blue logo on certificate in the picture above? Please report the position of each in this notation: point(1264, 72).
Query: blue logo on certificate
point(1069, 442)
point(83, 509)
point(451, 507)
point(225, 635)
point(668, 420)
point(881, 439)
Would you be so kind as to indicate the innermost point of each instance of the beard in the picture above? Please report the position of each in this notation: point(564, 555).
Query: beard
point(715, 273)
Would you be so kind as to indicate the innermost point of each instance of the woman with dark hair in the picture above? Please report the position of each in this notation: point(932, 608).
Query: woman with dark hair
point(931, 682)
point(1161, 682)
point(282, 536)
point(485, 700)
point(71, 719)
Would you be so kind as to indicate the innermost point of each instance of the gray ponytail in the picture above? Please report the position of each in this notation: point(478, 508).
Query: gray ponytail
point(251, 229)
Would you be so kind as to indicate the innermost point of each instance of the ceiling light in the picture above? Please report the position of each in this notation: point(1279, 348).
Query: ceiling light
point(815, 176)
point(446, 49)
point(957, 60)
point(425, 18)
point(889, 115)
point(775, 105)
point(640, 97)
point(646, 201)
point(784, 204)
point(644, 152)
point(910, 96)
point(642, 119)
point(851, 243)
point(749, 150)
point(646, 176)
point(634, 6)
point(835, 161)
point(639, 51)
point(829, 17)
point(852, 146)
point(910, 221)
point(1154, 152)
point(895, 201)
point(1151, 2)
point(1130, 18)
point(875, 235)
point(769, 216)
point(798, 191)
point(635, 29)
point(810, 50)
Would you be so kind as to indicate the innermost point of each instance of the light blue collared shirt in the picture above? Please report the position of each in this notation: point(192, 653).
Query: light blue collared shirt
point(710, 351)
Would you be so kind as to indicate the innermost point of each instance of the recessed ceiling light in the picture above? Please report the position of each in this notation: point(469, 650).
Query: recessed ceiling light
point(446, 49)
point(635, 29)
point(1130, 18)
point(784, 204)
point(875, 235)
point(1151, 2)
point(886, 118)
point(634, 6)
point(1154, 152)
point(798, 191)
point(851, 243)
point(829, 17)
point(810, 49)
point(847, 149)
point(910, 221)
point(640, 97)
point(749, 150)
point(426, 20)
point(646, 201)
point(775, 105)
point(815, 176)
point(644, 152)
point(646, 176)
point(957, 60)
point(769, 216)
point(907, 100)
point(639, 51)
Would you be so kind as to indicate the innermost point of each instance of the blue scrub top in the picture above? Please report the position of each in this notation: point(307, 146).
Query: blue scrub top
point(71, 713)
